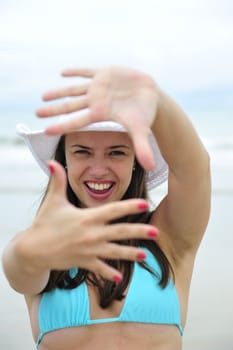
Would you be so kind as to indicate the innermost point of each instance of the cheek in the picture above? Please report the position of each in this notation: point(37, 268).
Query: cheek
point(126, 175)
point(73, 175)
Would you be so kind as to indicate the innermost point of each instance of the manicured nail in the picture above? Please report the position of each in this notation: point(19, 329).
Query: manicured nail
point(143, 205)
point(141, 256)
point(117, 278)
point(51, 168)
point(153, 232)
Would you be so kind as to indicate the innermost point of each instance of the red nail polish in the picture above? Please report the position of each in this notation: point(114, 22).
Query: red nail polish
point(141, 256)
point(117, 278)
point(51, 168)
point(143, 205)
point(153, 232)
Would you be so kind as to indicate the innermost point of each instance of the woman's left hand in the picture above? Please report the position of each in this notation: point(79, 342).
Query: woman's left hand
point(116, 94)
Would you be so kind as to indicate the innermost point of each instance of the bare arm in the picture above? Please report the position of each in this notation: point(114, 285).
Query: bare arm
point(23, 276)
point(184, 213)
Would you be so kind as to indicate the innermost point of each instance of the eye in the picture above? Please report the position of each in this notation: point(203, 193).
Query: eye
point(82, 152)
point(117, 153)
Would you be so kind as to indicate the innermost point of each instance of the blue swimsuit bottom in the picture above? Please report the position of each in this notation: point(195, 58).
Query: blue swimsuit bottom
point(145, 302)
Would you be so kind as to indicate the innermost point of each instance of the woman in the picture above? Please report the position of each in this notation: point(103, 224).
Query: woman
point(97, 268)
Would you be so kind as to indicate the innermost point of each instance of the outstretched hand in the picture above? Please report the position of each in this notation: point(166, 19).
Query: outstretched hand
point(115, 94)
point(69, 236)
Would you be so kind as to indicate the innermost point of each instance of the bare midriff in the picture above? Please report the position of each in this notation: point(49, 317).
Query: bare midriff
point(114, 336)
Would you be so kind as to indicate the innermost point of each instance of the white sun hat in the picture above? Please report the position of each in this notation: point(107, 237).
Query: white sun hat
point(43, 148)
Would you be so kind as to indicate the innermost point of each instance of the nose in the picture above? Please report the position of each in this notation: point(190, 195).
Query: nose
point(99, 168)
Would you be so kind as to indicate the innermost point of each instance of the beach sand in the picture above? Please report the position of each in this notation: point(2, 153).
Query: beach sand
point(210, 316)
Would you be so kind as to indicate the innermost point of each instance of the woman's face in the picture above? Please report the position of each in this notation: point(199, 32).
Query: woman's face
point(99, 165)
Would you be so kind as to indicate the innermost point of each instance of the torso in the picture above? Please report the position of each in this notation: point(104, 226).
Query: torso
point(114, 336)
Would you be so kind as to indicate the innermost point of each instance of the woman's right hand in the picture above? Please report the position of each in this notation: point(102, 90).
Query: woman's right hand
point(63, 236)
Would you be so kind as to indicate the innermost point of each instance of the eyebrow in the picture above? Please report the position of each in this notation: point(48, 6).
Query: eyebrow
point(111, 147)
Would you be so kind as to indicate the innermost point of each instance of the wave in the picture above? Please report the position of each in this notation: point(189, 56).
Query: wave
point(219, 144)
point(6, 140)
point(222, 143)
point(14, 154)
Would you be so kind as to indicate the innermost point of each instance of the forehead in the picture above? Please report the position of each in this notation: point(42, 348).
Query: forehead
point(93, 138)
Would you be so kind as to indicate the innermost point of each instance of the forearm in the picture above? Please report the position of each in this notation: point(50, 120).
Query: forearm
point(179, 143)
point(21, 266)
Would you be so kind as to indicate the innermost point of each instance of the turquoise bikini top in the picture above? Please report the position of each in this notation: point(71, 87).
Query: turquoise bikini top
point(145, 302)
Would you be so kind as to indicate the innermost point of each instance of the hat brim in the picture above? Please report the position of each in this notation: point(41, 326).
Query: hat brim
point(43, 148)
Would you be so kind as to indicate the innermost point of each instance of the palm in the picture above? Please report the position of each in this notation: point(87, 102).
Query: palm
point(123, 96)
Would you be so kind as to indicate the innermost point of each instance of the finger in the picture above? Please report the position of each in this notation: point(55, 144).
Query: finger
point(101, 268)
point(75, 90)
point(142, 148)
point(69, 106)
point(70, 125)
point(116, 210)
point(58, 180)
point(119, 252)
point(75, 123)
point(79, 72)
point(125, 231)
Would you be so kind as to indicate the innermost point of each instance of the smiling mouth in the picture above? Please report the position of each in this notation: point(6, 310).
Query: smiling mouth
point(103, 187)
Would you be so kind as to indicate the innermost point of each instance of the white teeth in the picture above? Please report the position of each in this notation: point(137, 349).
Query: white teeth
point(98, 187)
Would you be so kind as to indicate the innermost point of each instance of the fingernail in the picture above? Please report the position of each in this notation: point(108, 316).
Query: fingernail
point(117, 278)
point(41, 112)
point(143, 205)
point(141, 256)
point(153, 232)
point(51, 168)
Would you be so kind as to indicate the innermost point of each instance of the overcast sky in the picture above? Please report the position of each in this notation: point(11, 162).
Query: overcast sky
point(185, 44)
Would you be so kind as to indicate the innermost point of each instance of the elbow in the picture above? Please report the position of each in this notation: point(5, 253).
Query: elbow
point(19, 270)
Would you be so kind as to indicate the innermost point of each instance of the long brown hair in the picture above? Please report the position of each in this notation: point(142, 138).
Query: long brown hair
point(108, 290)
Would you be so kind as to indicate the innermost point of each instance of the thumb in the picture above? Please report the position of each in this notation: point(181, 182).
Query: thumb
point(58, 180)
